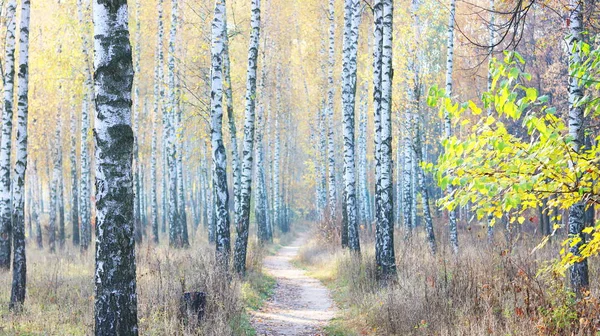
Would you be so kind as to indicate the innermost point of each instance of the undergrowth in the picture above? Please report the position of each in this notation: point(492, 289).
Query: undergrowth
point(60, 292)
point(485, 290)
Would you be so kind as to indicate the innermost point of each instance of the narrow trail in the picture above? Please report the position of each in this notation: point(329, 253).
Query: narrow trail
point(301, 305)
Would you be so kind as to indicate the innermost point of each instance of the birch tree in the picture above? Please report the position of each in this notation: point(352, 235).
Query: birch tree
point(74, 182)
point(219, 156)
point(175, 237)
point(136, 112)
point(242, 226)
point(235, 157)
point(490, 77)
point(447, 121)
point(84, 204)
point(424, 192)
point(59, 181)
point(85, 207)
point(115, 275)
point(35, 205)
point(19, 281)
point(260, 199)
point(384, 244)
point(362, 162)
point(579, 270)
point(153, 150)
point(352, 13)
point(6, 139)
point(330, 95)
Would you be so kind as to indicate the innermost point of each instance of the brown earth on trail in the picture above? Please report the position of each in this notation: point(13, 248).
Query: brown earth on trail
point(301, 305)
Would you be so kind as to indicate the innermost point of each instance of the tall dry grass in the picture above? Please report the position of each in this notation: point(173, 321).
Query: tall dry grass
point(488, 289)
point(60, 292)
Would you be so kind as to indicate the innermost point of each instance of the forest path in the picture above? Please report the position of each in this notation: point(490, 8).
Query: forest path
point(301, 305)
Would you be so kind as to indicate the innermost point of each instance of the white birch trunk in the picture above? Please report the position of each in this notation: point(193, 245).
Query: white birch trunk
point(385, 256)
point(447, 121)
point(6, 138)
point(241, 242)
point(85, 206)
point(175, 238)
point(219, 156)
point(352, 13)
point(579, 271)
point(115, 275)
point(19, 281)
point(330, 96)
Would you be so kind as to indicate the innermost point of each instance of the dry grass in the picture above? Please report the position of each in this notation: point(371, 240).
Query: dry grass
point(60, 292)
point(484, 291)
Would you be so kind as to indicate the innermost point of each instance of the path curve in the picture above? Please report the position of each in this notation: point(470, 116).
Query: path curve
point(301, 305)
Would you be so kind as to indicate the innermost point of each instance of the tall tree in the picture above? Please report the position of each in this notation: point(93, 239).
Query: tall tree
point(424, 192)
point(175, 230)
point(363, 190)
point(60, 184)
point(6, 138)
point(115, 275)
point(579, 270)
point(235, 157)
point(153, 154)
point(74, 182)
point(352, 14)
point(260, 199)
point(447, 121)
point(137, 209)
point(17, 296)
point(330, 95)
point(242, 226)
point(383, 38)
point(219, 156)
point(85, 206)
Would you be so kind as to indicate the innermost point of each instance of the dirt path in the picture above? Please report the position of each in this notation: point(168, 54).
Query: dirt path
point(301, 305)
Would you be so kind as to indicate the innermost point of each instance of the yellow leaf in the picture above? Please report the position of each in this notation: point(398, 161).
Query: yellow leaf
point(588, 230)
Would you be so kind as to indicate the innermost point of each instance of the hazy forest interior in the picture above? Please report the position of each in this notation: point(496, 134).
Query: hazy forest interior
point(299, 167)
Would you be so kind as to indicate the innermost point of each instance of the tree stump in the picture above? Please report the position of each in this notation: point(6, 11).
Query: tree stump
point(192, 306)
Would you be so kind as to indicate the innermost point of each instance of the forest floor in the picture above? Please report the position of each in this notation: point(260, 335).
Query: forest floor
point(301, 305)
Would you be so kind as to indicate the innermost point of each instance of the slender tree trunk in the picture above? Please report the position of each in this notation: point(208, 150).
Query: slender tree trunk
point(137, 213)
point(406, 172)
point(260, 199)
point(60, 186)
point(242, 226)
point(175, 238)
point(180, 178)
point(447, 121)
point(352, 13)
point(54, 203)
point(330, 96)
point(19, 282)
point(85, 207)
point(384, 248)
point(115, 275)
point(276, 176)
point(235, 157)
point(219, 155)
point(424, 194)
point(490, 228)
point(362, 160)
point(6, 138)
point(322, 163)
point(38, 226)
point(84, 204)
point(74, 182)
point(578, 271)
point(153, 154)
